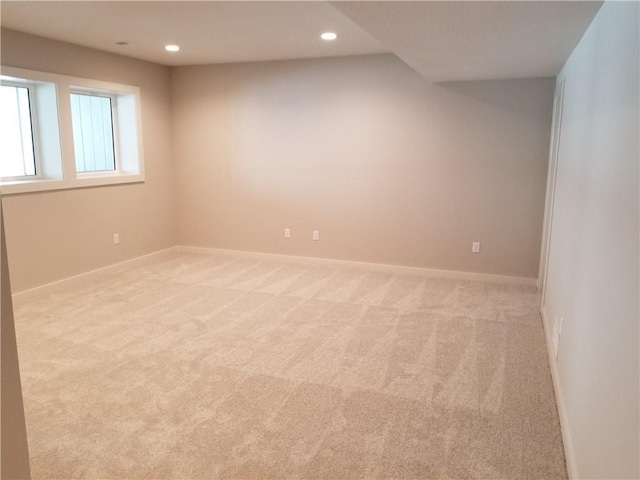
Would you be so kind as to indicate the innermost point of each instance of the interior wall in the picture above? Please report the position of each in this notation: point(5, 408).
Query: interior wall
point(14, 450)
point(58, 234)
point(594, 251)
point(387, 167)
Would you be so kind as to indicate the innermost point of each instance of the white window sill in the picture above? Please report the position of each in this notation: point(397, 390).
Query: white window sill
point(44, 185)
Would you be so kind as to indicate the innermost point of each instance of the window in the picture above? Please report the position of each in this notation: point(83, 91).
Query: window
point(16, 132)
point(93, 133)
point(59, 132)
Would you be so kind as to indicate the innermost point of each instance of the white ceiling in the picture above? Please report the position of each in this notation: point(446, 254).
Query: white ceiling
point(206, 31)
point(472, 40)
point(449, 40)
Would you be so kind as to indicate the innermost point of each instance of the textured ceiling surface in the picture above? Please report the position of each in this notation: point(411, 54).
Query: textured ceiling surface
point(444, 41)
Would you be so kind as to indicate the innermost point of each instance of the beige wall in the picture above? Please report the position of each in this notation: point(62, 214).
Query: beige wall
point(594, 255)
point(14, 451)
point(389, 168)
point(59, 234)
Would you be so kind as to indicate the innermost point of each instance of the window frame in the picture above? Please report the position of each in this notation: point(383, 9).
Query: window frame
point(52, 98)
point(115, 131)
point(33, 117)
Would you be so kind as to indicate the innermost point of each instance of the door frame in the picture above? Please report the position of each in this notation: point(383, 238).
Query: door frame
point(552, 174)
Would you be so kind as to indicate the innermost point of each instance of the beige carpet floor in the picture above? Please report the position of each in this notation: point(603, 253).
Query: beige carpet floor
point(197, 366)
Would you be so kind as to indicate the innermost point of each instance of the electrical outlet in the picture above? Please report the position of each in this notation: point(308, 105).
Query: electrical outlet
point(287, 233)
point(316, 235)
point(475, 247)
point(116, 238)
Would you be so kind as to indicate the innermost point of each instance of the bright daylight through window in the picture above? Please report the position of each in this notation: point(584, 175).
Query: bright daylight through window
point(16, 132)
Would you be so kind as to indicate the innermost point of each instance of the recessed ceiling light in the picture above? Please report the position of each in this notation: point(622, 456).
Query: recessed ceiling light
point(328, 36)
point(171, 48)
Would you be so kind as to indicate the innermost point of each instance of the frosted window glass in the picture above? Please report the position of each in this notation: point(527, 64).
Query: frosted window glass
point(92, 133)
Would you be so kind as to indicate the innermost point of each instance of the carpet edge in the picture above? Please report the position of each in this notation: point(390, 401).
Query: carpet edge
point(567, 443)
point(430, 272)
point(26, 295)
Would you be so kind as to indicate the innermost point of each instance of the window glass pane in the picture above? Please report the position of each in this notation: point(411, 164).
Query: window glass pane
point(92, 133)
point(17, 156)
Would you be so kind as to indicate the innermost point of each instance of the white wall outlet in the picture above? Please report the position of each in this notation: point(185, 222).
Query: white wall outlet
point(287, 233)
point(475, 247)
point(316, 235)
point(116, 238)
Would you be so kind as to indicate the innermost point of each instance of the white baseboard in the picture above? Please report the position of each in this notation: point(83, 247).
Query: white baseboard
point(26, 295)
point(572, 468)
point(52, 287)
point(453, 274)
